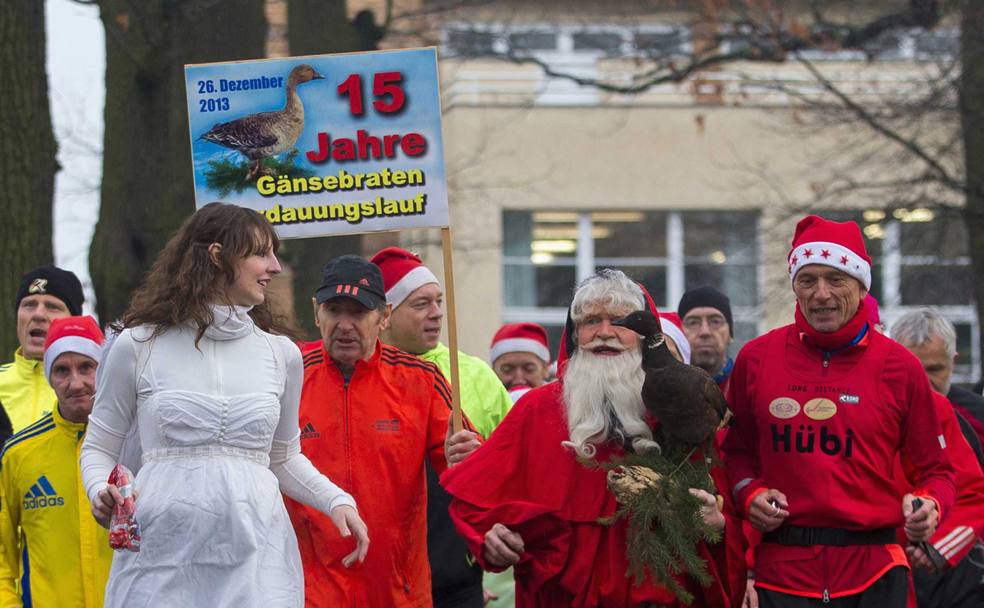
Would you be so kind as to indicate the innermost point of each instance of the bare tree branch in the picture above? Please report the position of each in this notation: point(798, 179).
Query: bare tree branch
point(642, 82)
point(910, 145)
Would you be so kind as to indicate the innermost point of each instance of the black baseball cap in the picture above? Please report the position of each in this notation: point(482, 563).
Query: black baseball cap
point(350, 276)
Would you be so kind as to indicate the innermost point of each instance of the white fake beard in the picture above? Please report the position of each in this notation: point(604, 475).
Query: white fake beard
point(598, 389)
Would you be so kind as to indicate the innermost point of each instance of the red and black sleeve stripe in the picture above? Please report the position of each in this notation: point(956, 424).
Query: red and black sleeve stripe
point(314, 357)
point(394, 356)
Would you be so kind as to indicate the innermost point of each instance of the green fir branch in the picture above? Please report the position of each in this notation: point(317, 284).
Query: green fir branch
point(226, 175)
point(665, 526)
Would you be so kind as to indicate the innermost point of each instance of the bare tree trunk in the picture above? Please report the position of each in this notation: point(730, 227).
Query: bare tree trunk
point(316, 27)
point(147, 187)
point(27, 154)
point(972, 119)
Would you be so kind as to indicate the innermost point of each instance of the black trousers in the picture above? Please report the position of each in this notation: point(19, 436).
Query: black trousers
point(958, 587)
point(890, 591)
point(468, 597)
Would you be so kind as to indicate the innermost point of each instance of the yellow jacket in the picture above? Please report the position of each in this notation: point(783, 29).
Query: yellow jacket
point(483, 398)
point(24, 391)
point(43, 505)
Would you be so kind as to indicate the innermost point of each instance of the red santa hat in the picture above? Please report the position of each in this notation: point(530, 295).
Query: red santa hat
point(520, 338)
point(516, 392)
point(673, 328)
point(835, 244)
point(72, 335)
point(403, 273)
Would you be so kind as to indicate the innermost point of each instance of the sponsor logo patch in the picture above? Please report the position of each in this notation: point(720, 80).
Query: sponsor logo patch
point(784, 407)
point(38, 286)
point(387, 425)
point(42, 495)
point(820, 409)
point(308, 432)
point(849, 399)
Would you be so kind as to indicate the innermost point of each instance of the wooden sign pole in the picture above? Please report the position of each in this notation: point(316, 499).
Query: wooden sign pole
point(456, 423)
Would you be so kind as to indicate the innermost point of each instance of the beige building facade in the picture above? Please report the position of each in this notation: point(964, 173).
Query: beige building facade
point(681, 185)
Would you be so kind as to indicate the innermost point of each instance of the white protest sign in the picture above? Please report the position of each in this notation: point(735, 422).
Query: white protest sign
point(322, 145)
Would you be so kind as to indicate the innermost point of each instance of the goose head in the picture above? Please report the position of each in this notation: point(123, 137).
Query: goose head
point(642, 322)
point(303, 73)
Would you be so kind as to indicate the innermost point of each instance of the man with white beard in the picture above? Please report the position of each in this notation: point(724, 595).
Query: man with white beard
point(530, 496)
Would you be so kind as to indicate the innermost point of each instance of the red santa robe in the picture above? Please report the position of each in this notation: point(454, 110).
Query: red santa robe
point(526, 480)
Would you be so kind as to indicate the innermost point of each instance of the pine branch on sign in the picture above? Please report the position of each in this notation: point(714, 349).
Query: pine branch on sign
point(225, 175)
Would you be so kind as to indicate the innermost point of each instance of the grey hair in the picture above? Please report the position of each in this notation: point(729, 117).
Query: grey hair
point(919, 326)
point(610, 288)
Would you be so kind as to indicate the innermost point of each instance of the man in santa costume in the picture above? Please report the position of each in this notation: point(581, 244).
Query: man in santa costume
point(526, 498)
point(822, 409)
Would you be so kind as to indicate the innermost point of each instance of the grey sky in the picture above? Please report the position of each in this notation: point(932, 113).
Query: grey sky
point(76, 66)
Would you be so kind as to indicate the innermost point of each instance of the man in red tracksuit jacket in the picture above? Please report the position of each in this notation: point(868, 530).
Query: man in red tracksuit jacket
point(822, 409)
point(370, 415)
point(944, 572)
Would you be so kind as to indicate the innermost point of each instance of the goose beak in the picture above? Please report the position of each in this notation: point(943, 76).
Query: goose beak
point(317, 76)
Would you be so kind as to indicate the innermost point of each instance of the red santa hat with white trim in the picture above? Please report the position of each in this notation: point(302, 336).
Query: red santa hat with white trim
point(403, 273)
point(673, 328)
point(517, 392)
point(835, 244)
point(520, 338)
point(72, 335)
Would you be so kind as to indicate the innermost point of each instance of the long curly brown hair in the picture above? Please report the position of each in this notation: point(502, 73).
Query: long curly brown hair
point(184, 279)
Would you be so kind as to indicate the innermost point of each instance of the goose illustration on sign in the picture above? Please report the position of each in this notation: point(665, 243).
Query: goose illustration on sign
point(322, 144)
point(264, 134)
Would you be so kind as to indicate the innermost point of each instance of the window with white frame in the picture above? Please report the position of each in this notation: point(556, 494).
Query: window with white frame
point(664, 40)
point(545, 254)
point(921, 258)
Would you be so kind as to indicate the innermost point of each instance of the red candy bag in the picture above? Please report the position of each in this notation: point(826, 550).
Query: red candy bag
point(124, 533)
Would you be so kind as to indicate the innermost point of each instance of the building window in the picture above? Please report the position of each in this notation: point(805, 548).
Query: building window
point(545, 254)
point(666, 42)
point(921, 258)
point(663, 41)
point(609, 43)
point(471, 43)
point(532, 40)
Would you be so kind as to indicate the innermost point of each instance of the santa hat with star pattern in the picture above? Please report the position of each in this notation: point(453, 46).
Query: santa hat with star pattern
point(835, 244)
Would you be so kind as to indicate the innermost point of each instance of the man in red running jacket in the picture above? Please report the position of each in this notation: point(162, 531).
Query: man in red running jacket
point(370, 416)
point(822, 409)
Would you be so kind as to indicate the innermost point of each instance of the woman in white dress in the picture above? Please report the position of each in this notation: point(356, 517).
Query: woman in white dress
point(205, 371)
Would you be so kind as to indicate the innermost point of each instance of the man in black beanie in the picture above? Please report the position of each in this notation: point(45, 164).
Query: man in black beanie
point(707, 322)
point(46, 293)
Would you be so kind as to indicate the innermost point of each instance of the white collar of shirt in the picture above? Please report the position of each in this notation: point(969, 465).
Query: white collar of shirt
point(229, 322)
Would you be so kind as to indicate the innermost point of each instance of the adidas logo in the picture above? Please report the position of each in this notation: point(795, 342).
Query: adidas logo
point(308, 432)
point(42, 495)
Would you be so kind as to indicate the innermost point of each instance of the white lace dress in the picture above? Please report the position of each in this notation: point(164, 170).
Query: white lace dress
point(218, 426)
